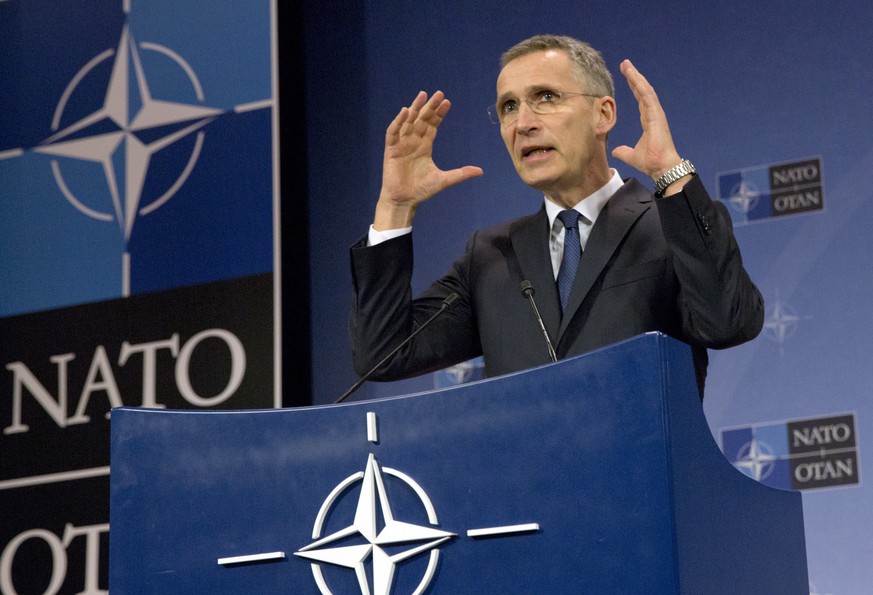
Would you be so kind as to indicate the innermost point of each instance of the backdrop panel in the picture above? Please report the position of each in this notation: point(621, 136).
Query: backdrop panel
point(138, 249)
point(746, 86)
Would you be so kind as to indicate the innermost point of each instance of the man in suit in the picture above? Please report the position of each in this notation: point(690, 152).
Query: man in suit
point(667, 262)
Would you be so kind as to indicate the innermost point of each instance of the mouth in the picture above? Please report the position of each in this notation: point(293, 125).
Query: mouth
point(535, 152)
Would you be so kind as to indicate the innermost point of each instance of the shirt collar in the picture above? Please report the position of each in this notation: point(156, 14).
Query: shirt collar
point(591, 205)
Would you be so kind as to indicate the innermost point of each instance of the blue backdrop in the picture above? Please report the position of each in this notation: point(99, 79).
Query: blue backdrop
point(744, 86)
point(139, 248)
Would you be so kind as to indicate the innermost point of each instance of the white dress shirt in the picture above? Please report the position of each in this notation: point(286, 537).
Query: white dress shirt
point(589, 207)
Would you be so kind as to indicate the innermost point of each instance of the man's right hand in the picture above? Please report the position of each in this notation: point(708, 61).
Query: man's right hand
point(409, 175)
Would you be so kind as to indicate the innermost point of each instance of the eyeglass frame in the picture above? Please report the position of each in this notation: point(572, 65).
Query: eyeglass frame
point(494, 115)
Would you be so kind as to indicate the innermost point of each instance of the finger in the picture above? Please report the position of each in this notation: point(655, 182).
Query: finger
point(440, 110)
point(432, 107)
point(392, 134)
point(624, 153)
point(443, 108)
point(635, 79)
point(432, 120)
point(431, 114)
point(423, 105)
point(418, 102)
point(406, 114)
point(415, 107)
point(649, 104)
point(461, 174)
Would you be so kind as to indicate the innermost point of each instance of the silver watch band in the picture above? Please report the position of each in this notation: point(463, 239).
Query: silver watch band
point(673, 174)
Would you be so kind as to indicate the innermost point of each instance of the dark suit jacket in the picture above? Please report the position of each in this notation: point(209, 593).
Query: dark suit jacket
point(669, 264)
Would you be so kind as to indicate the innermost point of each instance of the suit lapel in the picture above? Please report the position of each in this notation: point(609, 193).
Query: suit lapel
point(530, 242)
point(612, 225)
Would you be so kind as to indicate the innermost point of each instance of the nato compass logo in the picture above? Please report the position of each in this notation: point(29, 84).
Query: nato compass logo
point(756, 459)
point(800, 454)
point(138, 126)
point(128, 133)
point(781, 321)
point(769, 191)
point(462, 373)
point(375, 538)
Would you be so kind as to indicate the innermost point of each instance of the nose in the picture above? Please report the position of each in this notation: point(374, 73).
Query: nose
point(527, 119)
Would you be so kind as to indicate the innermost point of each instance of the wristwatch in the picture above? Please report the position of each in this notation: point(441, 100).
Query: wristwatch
point(673, 174)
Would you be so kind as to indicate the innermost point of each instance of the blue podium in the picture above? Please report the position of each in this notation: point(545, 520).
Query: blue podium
point(597, 474)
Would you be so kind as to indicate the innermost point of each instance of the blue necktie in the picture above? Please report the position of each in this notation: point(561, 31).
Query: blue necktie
point(572, 254)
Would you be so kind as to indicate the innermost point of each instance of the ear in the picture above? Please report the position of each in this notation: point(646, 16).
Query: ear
point(604, 114)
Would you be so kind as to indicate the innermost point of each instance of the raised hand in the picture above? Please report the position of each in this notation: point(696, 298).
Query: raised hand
point(654, 154)
point(409, 174)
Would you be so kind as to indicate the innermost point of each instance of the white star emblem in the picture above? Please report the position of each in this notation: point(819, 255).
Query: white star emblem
point(744, 196)
point(374, 531)
point(781, 322)
point(757, 459)
point(119, 125)
point(460, 373)
point(366, 524)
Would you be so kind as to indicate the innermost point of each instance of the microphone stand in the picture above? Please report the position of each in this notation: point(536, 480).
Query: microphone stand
point(448, 303)
point(528, 291)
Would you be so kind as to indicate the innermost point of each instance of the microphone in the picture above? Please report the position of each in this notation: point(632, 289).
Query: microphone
point(448, 303)
point(528, 291)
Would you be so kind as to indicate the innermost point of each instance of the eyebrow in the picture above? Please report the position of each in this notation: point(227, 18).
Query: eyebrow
point(530, 90)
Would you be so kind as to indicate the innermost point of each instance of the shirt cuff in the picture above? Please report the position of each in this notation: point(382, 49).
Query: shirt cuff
point(377, 237)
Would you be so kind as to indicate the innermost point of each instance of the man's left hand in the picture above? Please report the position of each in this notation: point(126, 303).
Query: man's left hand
point(654, 154)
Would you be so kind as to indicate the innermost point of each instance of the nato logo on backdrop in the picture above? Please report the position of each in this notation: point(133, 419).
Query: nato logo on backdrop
point(800, 454)
point(140, 159)
point(770, 191)
point(138, 195)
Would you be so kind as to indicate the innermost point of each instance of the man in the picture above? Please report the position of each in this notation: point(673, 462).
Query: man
point(666, 263)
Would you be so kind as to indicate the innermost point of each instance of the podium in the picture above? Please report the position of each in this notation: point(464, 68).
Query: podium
point(596, 474)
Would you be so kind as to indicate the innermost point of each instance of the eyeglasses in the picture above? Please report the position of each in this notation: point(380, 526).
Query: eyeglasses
point(543, 102)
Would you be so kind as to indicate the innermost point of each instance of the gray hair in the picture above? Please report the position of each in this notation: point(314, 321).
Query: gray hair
point(588, 65)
